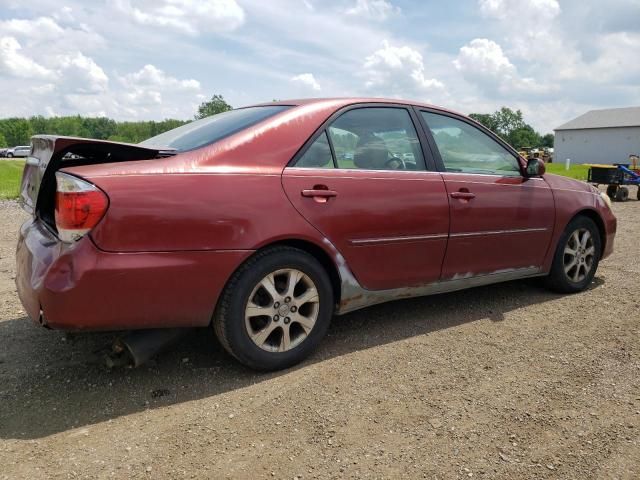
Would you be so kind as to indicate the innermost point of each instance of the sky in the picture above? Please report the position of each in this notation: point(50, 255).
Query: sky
point(156, 59)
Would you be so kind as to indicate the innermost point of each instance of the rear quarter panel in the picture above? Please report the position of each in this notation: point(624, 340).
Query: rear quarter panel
point(212, 211)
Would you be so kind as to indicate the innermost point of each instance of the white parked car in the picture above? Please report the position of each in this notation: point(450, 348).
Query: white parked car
point(19, 151)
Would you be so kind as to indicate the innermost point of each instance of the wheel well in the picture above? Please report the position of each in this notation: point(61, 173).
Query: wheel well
point(320, 255)
point(599, 223)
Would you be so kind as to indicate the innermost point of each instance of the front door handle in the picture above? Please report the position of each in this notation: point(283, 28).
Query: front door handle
point(320, 195)
point(462, 195)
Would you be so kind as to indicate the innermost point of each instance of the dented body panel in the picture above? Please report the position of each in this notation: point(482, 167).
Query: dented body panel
point(79, 287)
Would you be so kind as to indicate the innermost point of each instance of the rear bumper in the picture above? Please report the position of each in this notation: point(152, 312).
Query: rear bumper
point(79, 287)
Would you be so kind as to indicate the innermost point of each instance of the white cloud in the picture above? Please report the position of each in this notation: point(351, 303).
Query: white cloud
point(308, 80)
point(398, 71)
point(150, 75)
point(484, 58)
point(191, 17)
point(483, 63)
point(40, 28)
point(150, 89)
point(617, 60)
point(81, 74)
point(526, 14)
point(373, 9)
point(14, 63)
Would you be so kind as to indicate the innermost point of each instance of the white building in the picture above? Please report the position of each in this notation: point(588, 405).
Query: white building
point(599, 136)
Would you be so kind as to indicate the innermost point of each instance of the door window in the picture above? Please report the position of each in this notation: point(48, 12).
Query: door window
point(376, 138)
point(464, 148)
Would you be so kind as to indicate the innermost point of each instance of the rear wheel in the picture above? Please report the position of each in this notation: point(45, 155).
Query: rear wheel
point(577, 256)
point(638, 194)
point(275, 309)
point(611, 191)
point(622, 195)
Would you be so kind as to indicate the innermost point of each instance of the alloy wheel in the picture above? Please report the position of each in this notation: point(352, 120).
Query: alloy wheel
point(579, 255)
point(282, 310)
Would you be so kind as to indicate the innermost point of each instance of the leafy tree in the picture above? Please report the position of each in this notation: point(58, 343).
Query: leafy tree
point(523, 137)
point(3, 141)
point(217, 104)
point(18, 131)
point(547, 140)
point(486, 119)
point(508, 121)
point(510, 125)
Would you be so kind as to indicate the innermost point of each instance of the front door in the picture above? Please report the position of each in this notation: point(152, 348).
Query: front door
point(500, 220)
point(363, 183)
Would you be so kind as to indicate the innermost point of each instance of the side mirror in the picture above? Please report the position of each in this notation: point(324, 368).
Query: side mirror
point(535, 167)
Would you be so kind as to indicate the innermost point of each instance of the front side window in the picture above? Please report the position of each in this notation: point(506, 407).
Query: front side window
point(464, 148)
point(376, 138)
point(211, 129)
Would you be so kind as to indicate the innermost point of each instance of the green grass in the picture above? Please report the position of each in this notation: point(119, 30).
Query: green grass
point(10, 176)
point(578, 172)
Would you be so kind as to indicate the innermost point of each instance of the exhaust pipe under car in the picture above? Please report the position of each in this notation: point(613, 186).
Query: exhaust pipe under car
point(139, 346)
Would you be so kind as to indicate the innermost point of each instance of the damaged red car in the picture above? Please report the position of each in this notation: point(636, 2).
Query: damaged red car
point(264, 222)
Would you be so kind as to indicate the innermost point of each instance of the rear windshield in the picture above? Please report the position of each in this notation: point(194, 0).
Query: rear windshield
point(211, 129)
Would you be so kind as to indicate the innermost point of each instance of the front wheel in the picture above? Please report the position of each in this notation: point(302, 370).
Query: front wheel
point(275, 309)
point(9, 155)
point(577, 256)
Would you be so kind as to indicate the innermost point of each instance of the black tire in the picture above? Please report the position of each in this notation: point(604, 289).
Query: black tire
point(638, 194)
point(9, 155)
point(622, 195)
point(229, 317)
point(611, 191)
point(558, 280)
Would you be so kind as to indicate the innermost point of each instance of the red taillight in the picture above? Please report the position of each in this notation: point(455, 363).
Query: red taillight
point(79, 206)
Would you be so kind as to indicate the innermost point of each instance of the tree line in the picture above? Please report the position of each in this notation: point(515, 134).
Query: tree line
point(18, 131)
point(509, 124)
point(513, 129)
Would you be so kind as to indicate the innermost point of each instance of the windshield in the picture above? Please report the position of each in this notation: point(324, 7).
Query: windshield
point(211, 129)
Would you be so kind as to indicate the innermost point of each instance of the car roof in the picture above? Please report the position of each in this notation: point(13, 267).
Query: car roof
point(345, 101)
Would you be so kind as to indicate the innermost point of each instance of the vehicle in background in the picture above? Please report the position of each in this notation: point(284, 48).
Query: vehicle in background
point(263, 222)
point(543, 153)
point(19, 151)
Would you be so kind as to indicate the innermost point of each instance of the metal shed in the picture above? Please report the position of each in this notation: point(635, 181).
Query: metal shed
point(599, 136)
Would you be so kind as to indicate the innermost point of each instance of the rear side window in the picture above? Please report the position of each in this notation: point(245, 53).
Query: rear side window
point(318, 155)
point(464, 148)
point(211, 129)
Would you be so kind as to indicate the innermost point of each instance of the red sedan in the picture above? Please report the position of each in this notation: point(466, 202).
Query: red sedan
point(266, 221)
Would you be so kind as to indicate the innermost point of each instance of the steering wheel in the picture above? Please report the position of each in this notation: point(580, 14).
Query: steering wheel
point(395, 163)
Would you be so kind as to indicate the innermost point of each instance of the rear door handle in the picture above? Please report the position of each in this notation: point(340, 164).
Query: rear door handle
point(320, 195)
point(462, 195)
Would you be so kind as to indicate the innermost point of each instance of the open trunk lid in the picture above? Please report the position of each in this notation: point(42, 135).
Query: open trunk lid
point(50, 153)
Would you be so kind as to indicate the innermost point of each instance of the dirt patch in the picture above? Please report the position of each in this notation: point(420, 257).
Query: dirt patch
point(508, 381)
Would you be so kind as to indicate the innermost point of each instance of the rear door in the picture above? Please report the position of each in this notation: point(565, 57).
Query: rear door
point(500, 220)
point(363, 182)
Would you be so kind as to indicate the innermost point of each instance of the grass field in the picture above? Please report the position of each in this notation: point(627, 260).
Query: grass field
point(575, 171)
point(10, 176)
point(11, 173)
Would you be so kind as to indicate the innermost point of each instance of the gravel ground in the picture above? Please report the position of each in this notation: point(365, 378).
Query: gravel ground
point(508, 381)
